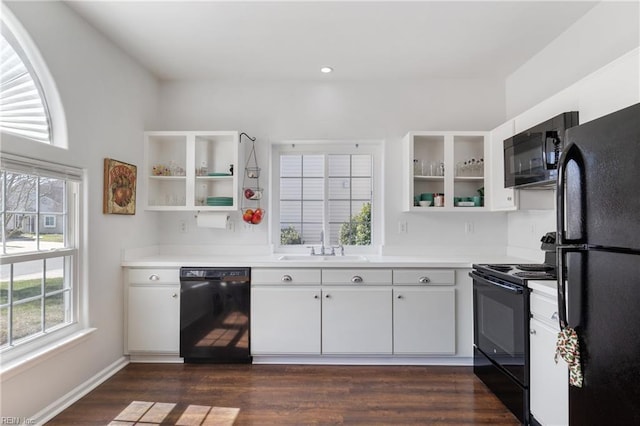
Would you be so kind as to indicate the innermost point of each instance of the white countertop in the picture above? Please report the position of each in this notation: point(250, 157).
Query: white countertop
point(548, 287)
point(273, 261)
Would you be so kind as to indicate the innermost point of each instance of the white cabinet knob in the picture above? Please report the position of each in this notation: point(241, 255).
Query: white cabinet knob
point(286, 278)
point(356, 279)
point(400, 296)
point(424, 280)
point(532, 331)
point(174, 295)
point(154, 277)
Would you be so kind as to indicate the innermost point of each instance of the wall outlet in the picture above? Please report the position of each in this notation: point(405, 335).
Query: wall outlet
point(468, 228)
point(402, 227)
point(182, 226)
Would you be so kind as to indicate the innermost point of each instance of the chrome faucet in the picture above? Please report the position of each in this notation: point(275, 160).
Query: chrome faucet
point(322, 243)
point(322, 248)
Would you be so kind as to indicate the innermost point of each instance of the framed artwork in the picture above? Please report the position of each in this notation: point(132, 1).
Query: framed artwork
point(119, 187)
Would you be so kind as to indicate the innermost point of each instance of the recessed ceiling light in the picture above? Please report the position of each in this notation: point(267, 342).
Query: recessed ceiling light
point(326, 70)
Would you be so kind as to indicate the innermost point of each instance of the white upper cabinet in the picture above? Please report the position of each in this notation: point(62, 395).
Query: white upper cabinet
point(448, 164)
point(501, 198)
point(192, 170)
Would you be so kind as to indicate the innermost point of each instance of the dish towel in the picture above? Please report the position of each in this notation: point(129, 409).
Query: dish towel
point(567, 348)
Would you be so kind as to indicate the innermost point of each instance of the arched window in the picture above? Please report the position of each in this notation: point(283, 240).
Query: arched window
point(23, 108)
point(30, 107)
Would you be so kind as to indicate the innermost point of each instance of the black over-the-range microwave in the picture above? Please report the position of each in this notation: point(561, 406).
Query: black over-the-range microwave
point(531, 157)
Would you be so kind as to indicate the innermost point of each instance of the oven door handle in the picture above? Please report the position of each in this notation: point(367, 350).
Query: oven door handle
point(513, 289)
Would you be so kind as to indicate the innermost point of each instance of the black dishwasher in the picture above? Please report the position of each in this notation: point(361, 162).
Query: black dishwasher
point(214, 314)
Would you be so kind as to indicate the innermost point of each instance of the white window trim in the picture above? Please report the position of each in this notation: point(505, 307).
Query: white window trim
point(375, 148)
point(52, 99)
point(15, 356)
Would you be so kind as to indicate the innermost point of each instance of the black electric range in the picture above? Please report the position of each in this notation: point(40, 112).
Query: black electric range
point(501, 329)
point(517, 274)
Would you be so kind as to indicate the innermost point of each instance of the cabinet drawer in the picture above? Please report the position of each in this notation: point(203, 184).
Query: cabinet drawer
point(544, 308)
point(356, 276)
point(154, 276)
point(285, 276)
point(424, 276)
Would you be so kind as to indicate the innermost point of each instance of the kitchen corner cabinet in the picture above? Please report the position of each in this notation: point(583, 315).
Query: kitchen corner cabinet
point(500, 198)
point(182, 169)
point(153, 311)
point(449, 163)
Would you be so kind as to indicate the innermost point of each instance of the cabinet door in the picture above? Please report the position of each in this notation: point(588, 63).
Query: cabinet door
point(424, 321)
point(501, 198)
point(154, 319)
point(285, 320)
point(356, 321)
point(549, 381)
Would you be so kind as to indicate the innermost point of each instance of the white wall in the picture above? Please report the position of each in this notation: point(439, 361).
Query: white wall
point(337, 109)
point(603, 34)
point(108, 101)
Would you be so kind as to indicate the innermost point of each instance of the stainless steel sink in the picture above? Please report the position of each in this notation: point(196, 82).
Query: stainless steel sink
point(310, 258)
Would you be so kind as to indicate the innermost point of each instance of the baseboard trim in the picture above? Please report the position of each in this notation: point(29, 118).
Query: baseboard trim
point(150, 358)
point(361, 360)
point(65, 401)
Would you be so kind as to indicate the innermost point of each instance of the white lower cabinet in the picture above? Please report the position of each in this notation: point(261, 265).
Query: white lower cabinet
point(367, 311)
point(549, 392)
point(356, 320)
point(424, 321)
point(549, 388)
point(153, 323)
point(285, 320)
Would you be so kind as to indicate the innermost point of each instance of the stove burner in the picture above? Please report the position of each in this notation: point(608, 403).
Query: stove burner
point(540, 275)
point(501, 268)
point(541, 267)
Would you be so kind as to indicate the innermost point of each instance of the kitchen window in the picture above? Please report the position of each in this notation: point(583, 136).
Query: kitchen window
point(39, 210)
point(324, 193)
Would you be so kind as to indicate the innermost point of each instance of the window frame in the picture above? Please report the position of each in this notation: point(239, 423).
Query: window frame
point(375, 148)
point(37, 66)
point(75, 181)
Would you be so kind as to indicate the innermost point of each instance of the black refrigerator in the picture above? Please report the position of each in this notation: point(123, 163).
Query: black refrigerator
point(599, 264)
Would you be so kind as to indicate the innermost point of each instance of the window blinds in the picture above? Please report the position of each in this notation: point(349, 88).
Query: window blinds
point(23, 109)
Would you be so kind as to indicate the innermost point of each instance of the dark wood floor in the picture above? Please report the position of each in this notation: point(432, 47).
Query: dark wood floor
point(299, 395)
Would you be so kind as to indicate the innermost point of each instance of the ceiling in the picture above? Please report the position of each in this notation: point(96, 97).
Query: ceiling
point(292, 40)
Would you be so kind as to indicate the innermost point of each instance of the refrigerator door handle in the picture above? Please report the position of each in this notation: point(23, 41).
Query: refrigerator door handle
point(570, 153)
point(577, 262)
point(562, 293)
